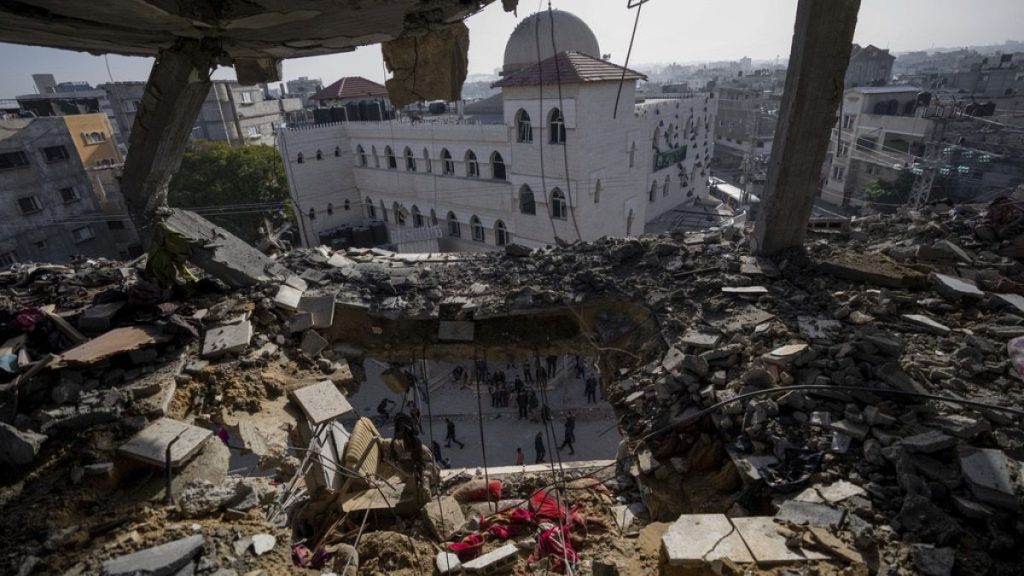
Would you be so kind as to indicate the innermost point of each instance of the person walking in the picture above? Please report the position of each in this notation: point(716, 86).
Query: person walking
point(552, 361)
point(527, 375)
point(520, 457)
point(591, 389)
point(533, 403)
point(522, 403)
point(494, 399)
point(538, 446)
point(451, 435)
point(441, 461)
point(570, 432)
point(517, 384)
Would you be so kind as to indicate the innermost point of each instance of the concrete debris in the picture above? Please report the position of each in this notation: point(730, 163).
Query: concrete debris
point(769, 546)
point(313, 344)
point(227, 339)
point(165, 560)
point(928, 442)
point(955, 288)
point(444, 517)
point(99, 318)
point(18, 447)
point(288, 297)
point(321, 402)
point(987, 473)
point(263, 543)
point(494, 562)
point(150, 445)
point(694, 539)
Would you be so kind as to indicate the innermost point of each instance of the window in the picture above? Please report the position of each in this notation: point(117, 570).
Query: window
point(95, 137)
point(312, 214)
point(426, 161)
point(254, 132)
point(55, 153)
point(399, 214)
point(657, 138)
point(8, 258)
point(115, 224)
point(838, 172)
point(848, 121)
point(472, 166)
point(632, 154)
point(557, 124)
point(131, 105)
point(246, 97)
point(376, 159)
point(844, 149)
point(383, 212)
point(500, 234)
point(410, 160)
point(29, 205)
point(497, 166)
point(347, 206)
point(653, 193)
point(330, 208)
point(527, 204)
point(433, 217)
point(371, 212)
point(13, 160)
point(597, 191)
point(524, 132)
point(84, 233)
point(319, 154)
point(299, 158)
point(389, 155)
point(447, 165)
point(104, 163)
point(417, 218)
point(669, 136)
point(453, 226)
point(665, 186)
point(477, 229)
point(558, 206)
point(69, 195)
point(337, 151)
point(361, 153)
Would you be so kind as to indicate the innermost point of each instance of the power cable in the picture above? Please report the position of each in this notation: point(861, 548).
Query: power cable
point(565, 143)
point(625, 65)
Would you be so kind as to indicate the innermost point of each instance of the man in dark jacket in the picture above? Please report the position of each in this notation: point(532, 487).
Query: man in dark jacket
point(538, 446)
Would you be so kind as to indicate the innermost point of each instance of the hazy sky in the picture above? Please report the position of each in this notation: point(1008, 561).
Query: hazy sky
point(670, 31)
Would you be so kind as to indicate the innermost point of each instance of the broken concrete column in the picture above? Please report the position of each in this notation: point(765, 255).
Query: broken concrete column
point(428, 66)
point(175, 91)
point(821, 47)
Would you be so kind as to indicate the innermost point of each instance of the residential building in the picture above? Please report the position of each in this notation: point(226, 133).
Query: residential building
point(303, 88)
point(59, 196)
point(869, 66)
point(559, 160)
point(352, 90)
point(746, 124)
point(880, 132)
point(70, 98)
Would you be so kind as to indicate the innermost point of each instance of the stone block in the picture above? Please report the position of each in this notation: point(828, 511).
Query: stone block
point(767, 545)
point(18, 446)
point(443, 516)
point(321, 308)
point(810, 513)
point(701, 339)
point(499, 560)
point(227, 339)
point(312, 343)
point(163, 560)
point(696, 539)
point(447, 563)
point(987, 474)
point(296, 282)
point(300, 323)
point(321, 402)
point(150, 445)
point(287, 297)
point(954, 288)
point(929, 442)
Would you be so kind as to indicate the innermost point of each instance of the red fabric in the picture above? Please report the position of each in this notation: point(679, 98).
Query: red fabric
point(467, 548)
point(555, 543)
point(28, 318)
point(478, 491)
point(508, 524)
point(545, 504)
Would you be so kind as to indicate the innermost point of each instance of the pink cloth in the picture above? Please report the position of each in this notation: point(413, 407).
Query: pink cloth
point(467, 548)
point(555, 543)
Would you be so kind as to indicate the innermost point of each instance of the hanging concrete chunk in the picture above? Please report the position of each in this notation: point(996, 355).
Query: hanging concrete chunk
point(227, 339)
point(150, 445)
point(696, 539)
point(321, 402)
point(163, 560)
point(428, 66)
point(987, 473)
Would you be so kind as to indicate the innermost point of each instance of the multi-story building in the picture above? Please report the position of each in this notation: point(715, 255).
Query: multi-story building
point(59, 195)
point(70, 98)
point(880, 132)
point(869, 66)
point(559, 162)
point(303, 88)
point(746, 124)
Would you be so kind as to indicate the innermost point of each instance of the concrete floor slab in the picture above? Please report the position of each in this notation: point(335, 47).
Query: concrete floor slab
point(150, 445)
point(767, 545)
point(321, 402)
point(700, 538)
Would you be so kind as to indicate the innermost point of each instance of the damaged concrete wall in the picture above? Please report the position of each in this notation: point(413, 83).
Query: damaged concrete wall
point(428, 66)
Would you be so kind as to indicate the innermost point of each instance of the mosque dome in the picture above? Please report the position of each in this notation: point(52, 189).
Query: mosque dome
point(571, 33)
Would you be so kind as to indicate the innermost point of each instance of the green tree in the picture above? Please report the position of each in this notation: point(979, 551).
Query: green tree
point(247, 181)
point(896, 191)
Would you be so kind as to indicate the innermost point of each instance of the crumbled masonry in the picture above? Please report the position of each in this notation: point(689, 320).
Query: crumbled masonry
point(878, 428)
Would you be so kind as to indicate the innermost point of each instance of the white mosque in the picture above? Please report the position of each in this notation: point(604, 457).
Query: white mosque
point(560, 153)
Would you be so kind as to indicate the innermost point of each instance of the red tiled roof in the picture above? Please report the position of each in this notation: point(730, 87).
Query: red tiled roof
point(572, 68)
point(351, 87)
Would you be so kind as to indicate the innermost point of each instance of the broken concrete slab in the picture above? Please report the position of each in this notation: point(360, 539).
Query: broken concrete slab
point(871, 268)
point(227, 339)
point(1014, 300)
point(928, 442)
point(987, 474)
point(321, 402)
point(300, 323)
point(955, 288)
point(852, 429)
point(116, 341)
point(817, 328)
point(767, 545)
point(498, 560)
point(932, 561)
point(745, 290)
point(18, 446)
point(754, 265)
point(786, 354)
point(99, 317)
point(321, 308)
point(696, 539)
point(339, 260)
point(312, 343)
point(287, 297)
point(835, 492)
point(922, 321)
point(252, 439)
point(811, 513)
point(296, 282)
point(443, 516)
point(150, 445)
point(220, 253)
point(164, 560)
point(702, 339)
point(447, 563)
point(263, 543)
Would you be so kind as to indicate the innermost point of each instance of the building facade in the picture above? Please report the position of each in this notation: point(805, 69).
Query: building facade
point(869, 66)
point(560, 163)
point(303, 88)
point(59, 196)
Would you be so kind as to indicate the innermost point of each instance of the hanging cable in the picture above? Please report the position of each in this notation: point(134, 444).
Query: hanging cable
point(625, 65)
point(480, 421)
point(565, 143)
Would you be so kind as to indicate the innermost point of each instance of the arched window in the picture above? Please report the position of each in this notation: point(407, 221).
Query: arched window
point(476, 228)
point(371, 212)
point(500, 234)
point(330, 208)
point(559, 209)
point(557, 124)
point(426, 161)
point(383, 212)
point(319, 154)
point(453, 226)
point(664, 188)
point(497, 166)
point(410, 160)
point(527, 204)
point(376, 159)
point(417, 218)
point(96, 137)
point(399, 214)
point(597, 191)
point(447, 164)
point(433, 217)
point(361, 153)
point(348, 205)
point(472, 166)
point(524, 132)
point(312, 214)
point(299, 158)
point(337, 151)
point(654, 191)
point(657, 137)
point(389, 155)
point(632, 154)
point(629, 222)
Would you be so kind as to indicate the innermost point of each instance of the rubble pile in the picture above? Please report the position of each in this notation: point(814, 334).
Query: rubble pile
point(851, 407)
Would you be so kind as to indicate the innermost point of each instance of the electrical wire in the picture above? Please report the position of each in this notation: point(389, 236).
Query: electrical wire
point(565, 143)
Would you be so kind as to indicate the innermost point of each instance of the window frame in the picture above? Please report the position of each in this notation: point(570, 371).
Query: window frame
point(532, 205)
point(559, 205)
point(410, 160)
point(524, 130)
point(18, 159)
point(496, 161)
point(34, 200)
point(501, 235)
point(454, 228)
point(556, 127)
point(389, 157)
point(62, 157)
point(76, 237)
point(75, 196)
point(476, 229)
point(447, 163)
point(472, 165)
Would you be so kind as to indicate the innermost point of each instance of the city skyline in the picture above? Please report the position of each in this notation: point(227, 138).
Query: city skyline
point(763, 32)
